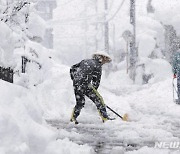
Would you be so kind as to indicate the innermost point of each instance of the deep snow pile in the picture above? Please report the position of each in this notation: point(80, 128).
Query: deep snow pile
point(23, 129)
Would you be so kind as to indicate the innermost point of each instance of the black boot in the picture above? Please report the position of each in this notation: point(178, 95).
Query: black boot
point(74, 116)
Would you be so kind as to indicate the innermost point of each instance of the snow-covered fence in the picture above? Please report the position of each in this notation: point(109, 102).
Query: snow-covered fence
point(6, 74)
point(25, 60)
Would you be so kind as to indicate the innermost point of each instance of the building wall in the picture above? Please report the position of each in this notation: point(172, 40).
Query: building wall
point(45, 9)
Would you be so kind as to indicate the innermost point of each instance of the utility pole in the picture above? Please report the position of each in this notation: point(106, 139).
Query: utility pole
point(96, 28)
point(127, 35)
point(106, 28)
point(114, 38)
point(85, 31)
point(133, 50)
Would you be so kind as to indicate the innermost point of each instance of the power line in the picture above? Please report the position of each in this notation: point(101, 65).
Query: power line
point(78, 19)
point(91, 16)
point(116, 11)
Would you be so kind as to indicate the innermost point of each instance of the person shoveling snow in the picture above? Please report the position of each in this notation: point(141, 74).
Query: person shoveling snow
point(86, 77)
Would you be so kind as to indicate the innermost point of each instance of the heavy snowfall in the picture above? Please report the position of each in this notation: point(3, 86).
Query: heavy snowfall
point(42, 39)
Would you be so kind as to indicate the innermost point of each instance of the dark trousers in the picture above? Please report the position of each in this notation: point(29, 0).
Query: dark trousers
point(90, 92)
point(178, 85)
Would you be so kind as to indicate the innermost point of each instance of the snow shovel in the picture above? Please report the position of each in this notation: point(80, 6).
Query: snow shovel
point(124, 117)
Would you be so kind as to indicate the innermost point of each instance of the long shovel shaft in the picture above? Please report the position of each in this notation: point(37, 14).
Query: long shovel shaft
point(114, 112)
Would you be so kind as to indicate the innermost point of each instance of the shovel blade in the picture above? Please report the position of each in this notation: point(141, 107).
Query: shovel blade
point(125, 117)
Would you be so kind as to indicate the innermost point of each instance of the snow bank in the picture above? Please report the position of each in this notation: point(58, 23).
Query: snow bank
point(149, 33)
point(56, 93)
point(38, 67)
point(147, 150)
point(117, 150)
point(146, 45)
point(21, 123)
point(68, 147)
point(159, 68)
point(22, 127)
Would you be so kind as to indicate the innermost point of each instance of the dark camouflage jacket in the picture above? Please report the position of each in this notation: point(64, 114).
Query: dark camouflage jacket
point(86, 72)
point(176, 62)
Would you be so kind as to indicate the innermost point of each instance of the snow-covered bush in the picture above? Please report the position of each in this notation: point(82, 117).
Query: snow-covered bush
point(22, 35)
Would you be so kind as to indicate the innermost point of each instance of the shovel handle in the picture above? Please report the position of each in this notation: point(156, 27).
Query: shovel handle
point(114, 112)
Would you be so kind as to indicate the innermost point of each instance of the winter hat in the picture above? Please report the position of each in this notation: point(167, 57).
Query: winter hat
point(103, 55)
